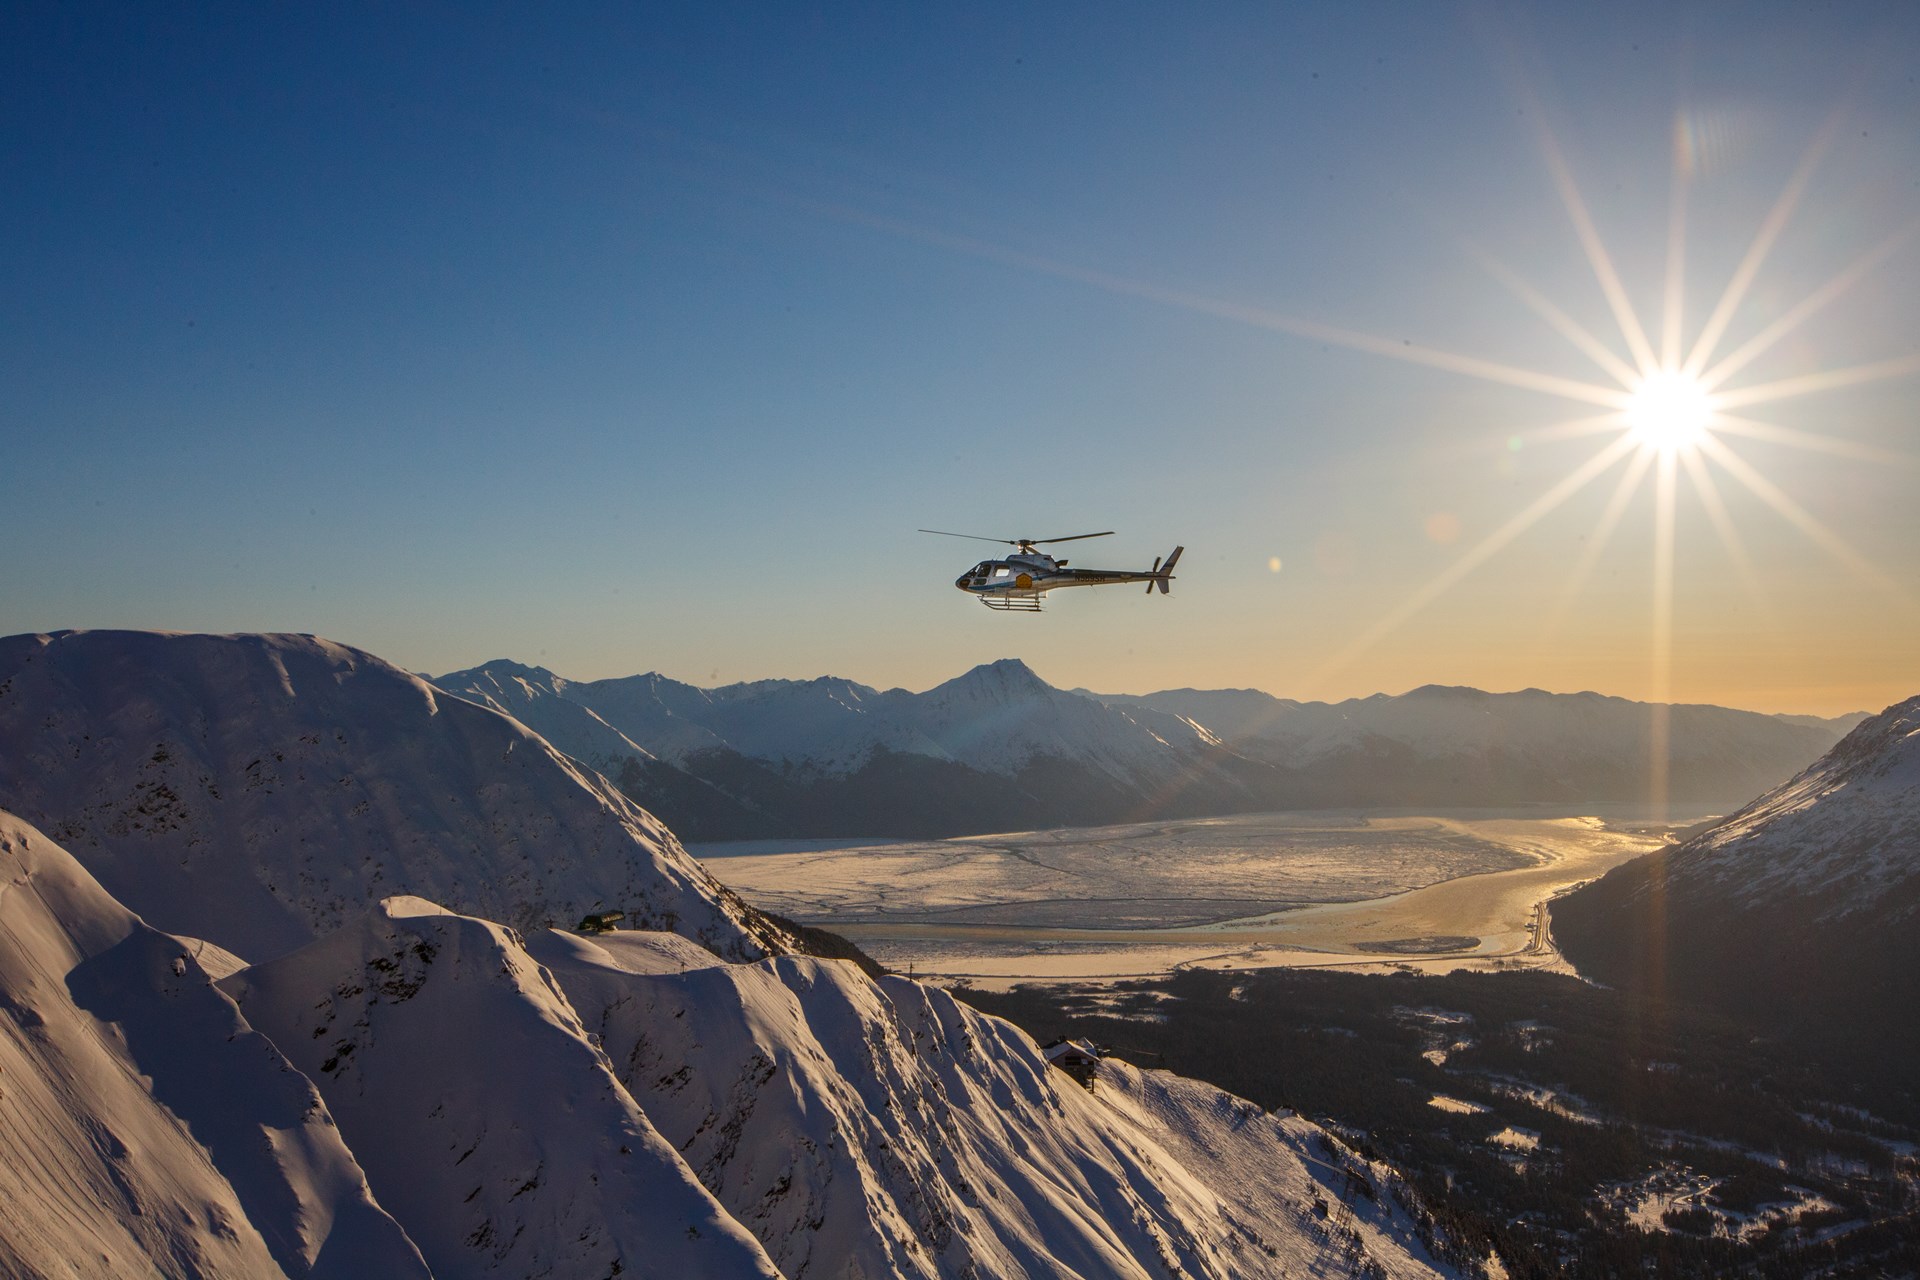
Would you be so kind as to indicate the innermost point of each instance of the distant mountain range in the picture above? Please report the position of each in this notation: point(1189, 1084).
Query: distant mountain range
point(337, 1078)
point(1802, 910)
point(1000, 749)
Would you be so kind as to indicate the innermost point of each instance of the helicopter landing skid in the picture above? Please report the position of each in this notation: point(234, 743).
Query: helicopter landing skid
point(1012, 604)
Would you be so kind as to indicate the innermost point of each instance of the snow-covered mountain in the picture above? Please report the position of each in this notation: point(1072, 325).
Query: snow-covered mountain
point(1844, 835)
point(408, 1088)
point(832, 757)
point(1000, 716)
point(1803, 906)
point(259, 790)
point(480, 1108)
point(145, 1127)
point(882, 1128)
point(536, 698)
point(995, 718)
point(630, 1104)
point(784, 1118)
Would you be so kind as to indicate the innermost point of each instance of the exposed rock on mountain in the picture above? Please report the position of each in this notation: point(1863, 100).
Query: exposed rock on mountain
point(1802, 909)
point(145, 1127)
point(258, 790)
point(863, 1128)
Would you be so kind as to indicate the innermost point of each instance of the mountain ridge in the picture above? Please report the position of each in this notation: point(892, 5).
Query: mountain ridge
point(832, 757)
point(1800, 910)
point(259, 790)
point(629, 1104)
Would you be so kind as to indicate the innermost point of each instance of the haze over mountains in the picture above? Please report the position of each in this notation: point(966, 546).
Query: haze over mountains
point(999, 749)
point(377, 1085)
point(1801, 910)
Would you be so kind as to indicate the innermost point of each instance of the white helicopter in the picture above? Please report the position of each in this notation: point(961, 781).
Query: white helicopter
point(1016, 583)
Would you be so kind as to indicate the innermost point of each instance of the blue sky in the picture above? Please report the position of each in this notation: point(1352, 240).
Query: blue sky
point(643, 337)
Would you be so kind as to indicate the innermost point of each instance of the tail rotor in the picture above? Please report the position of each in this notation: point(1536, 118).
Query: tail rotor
point(1161, 574)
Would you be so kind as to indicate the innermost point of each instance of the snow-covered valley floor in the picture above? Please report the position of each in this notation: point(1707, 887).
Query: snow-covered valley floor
point(1365, 891)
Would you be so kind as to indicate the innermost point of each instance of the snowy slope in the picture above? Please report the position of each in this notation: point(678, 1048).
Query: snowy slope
point(828, 723)
point(482, 1112)
point(1000, 715)
point(668, 718)
point(996, 718)
point(1845, 834)
point(1232, 715)
point(882, 1129)
point(257, 790)
point(145, 1127)
point(536, 698)
point(1801, 910)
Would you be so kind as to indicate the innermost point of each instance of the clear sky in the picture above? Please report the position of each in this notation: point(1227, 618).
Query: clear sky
point(643, 337)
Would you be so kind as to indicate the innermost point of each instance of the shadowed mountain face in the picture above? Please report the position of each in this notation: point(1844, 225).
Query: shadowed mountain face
point(1440, 741)
point(1801, 910)
point(994, 749)
point(999, 749)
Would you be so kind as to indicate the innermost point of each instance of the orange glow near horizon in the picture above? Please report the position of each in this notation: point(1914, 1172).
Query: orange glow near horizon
point(1669, 414)
point(1665, 411)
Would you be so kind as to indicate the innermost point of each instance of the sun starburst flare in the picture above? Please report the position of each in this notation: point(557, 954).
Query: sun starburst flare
point(1668, 414)
point(1671, 415)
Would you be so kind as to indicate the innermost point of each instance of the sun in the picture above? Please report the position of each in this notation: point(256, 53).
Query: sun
point(1668, 412)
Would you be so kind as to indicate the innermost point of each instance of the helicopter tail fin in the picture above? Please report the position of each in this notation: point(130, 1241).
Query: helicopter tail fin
point(1163, 572)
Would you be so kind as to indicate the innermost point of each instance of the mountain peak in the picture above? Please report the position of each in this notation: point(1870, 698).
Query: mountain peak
point(997, 681)
point(1440, 692)
point(1006, 671)
point(502, 668)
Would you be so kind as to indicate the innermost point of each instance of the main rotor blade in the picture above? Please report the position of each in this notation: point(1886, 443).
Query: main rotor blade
point(1034, 542)
point(976, 537)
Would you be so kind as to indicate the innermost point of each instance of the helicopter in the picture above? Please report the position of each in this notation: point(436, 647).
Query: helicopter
point(1015, 583)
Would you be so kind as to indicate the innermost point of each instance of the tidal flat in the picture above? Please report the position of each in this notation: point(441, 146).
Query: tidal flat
point(1361, 890)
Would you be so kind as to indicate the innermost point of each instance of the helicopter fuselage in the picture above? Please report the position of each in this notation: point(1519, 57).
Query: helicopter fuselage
point(1029, 576)
point(1016, 582)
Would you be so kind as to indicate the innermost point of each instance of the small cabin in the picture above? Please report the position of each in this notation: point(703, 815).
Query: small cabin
point(1078, 1058)
point(599, 922)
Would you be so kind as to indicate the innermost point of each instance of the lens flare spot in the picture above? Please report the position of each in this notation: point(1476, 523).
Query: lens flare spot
point(1443, 527)
point(1669, 412)
point(1273, 564)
